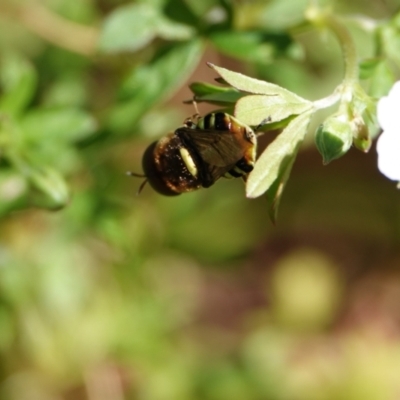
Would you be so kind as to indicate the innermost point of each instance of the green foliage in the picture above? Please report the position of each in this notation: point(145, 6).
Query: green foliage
point(132, 27)
point(275, 163)
point(18, 81)
point(38, 141)
point(148, 85)
point(214, 94)
point(112, 295)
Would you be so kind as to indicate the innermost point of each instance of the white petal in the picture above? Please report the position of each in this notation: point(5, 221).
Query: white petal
point(388, 109)
point(384, 113)
point(395, 92)
point(388, 148)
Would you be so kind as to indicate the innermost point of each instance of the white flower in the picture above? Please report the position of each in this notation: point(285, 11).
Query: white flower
point(388, 144)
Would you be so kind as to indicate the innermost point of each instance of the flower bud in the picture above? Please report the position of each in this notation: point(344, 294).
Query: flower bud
point(334, 137)
point(362, 140)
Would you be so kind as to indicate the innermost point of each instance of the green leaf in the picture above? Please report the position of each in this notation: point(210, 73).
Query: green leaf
point(275, 157)
point(132, 27)
point(283, 14)
point(255, 86)
point(68, 91)
point(65, 124)
point(221, 99)
point(390, 39)
point(382, 80)
point(380, 74)
point(275, 191)
point(204, 89)
point(214, 94)
point(273, 15)
point(367, 67)
point(54, 191)
point(249, 46)
point(181, 10)
point(129, 28)
point(151, 84)
point(172, 30)
point(52, 185)
point(200, 8)
point(18, 80)
point(13, 188)
point(254, 109)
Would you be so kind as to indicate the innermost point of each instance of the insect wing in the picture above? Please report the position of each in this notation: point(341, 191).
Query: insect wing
point(217, 148)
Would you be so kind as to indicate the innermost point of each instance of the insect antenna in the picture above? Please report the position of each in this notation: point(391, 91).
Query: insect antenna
point(189, 121)
point(194, 102)
point(263, 122)
point(196, 116)
point(135, 175)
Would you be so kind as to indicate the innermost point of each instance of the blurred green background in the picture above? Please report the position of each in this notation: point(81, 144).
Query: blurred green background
point(107, 295)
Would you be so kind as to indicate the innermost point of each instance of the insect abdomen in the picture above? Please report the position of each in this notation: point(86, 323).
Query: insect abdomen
point(218, 121)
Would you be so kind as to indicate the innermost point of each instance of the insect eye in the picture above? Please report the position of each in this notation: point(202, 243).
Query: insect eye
point(153, 175)
point(189, 123)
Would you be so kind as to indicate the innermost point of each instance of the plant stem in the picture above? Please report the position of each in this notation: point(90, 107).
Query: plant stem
point(328, 100)
point(327, 19)
point(52, 27)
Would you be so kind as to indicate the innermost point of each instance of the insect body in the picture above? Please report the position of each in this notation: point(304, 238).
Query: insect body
point(198, 154)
